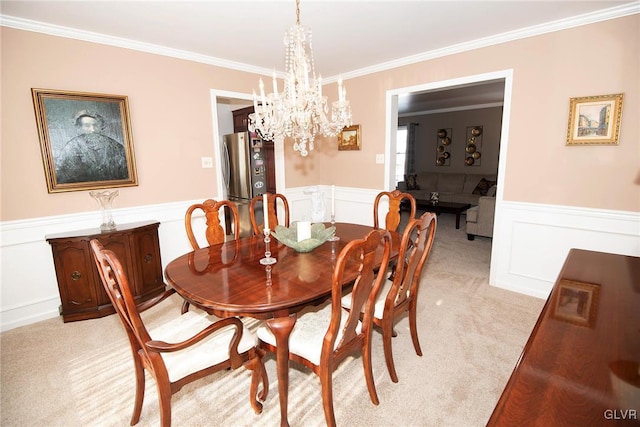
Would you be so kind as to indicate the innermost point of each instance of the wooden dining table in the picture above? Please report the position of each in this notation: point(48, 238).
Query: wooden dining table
point(228, 280)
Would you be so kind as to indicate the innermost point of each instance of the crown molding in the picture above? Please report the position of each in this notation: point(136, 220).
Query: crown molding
point(89, 36)
point(549, 27)
point(576, 21)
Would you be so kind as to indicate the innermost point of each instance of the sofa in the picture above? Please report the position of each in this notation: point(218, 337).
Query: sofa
point(480, 218)
point(451, 187)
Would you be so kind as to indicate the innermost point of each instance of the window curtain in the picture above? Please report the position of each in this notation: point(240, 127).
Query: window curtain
point(410, 159)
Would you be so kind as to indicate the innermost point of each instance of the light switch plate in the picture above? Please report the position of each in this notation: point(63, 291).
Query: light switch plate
point(207, 162)
point(380, 159)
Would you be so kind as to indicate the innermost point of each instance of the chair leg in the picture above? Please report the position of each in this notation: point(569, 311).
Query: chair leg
point(387, 333)
point(327, 397)
point(164, 397)
point(258, 374)
point(137, 406)
point(368, 371)
point(414, 329)
point(185, 307)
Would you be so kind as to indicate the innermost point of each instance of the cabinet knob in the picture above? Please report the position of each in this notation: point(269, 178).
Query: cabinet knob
point(76, 275)
point(148, 258)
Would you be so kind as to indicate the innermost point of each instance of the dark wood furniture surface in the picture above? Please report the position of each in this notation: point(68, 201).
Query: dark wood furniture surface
point(228, 280)
point(241, 119)
point(268, 149)
point(580, 364)
point(443, 207)
point(81, 291)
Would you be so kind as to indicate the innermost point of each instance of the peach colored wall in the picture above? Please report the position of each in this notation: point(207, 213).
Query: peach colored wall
point(172, 129)
point(171, 119)
point(548, 70)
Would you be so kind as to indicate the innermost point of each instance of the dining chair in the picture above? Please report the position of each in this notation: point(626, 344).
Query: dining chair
point(214, 232)
point(182, 350)
point(395, 199)
point(272, 211)
point(322, 339)
point(393, 217)
point(400, 295)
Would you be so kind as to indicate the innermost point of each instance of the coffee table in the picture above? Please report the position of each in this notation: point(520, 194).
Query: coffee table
point(443, 207)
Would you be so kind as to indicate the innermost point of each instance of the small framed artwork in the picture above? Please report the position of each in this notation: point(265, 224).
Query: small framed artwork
point(85, 139)
point(349, 138)
point(576, 302)
point(594, 120)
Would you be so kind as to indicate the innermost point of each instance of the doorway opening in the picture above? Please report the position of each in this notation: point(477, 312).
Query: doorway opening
point(222, 104)
point(439, 90)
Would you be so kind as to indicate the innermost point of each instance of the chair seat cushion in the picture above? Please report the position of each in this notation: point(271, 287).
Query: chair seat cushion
point(308, 333)
point(210, 351)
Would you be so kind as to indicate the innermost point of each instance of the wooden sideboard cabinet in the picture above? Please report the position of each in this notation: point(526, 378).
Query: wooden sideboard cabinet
point(83, 297)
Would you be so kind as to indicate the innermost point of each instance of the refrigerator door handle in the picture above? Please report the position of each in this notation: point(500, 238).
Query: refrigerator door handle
point(225, 165)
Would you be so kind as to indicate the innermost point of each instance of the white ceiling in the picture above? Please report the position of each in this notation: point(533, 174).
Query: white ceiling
point(349, 37)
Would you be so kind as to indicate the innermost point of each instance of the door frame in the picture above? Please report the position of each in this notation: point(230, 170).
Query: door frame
point(391, 131)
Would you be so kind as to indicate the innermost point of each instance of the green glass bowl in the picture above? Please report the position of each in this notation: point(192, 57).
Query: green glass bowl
point(289, 236)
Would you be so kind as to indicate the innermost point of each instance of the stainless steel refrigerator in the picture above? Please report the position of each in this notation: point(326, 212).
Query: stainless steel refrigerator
point(244, 172)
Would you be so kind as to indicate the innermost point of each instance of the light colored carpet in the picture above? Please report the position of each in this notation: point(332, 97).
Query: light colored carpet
point(81, 373)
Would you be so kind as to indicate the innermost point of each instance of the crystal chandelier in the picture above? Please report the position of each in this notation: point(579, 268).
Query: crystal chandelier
point(300, 111)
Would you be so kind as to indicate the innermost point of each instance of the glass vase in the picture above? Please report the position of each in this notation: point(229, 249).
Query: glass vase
point(105, 198)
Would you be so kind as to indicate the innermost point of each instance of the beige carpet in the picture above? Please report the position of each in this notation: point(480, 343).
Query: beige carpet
point(80, 373)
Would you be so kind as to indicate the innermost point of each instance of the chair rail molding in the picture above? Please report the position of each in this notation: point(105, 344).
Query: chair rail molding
point(530, 243)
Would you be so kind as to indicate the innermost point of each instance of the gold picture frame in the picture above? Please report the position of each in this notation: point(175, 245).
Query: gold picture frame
point(576, 302)
point(349, 138)
point(85, 139)
point(594, 120)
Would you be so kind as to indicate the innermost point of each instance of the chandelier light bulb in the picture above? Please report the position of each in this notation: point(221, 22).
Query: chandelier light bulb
point(300, 111)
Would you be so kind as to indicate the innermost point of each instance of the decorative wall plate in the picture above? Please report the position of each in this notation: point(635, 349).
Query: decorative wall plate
point(440, 161)
point(442, 133)
point(471, 148)
point(469, 161)
point(441, 149)
point(476, 155)
point(446, 154)
point(446, 140)
point(476, 131)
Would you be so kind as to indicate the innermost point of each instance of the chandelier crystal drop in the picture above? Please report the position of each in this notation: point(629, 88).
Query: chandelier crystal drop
point(300, 111)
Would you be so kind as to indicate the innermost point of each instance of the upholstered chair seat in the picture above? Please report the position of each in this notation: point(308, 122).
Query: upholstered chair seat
point(208, 352)
point(307, 334)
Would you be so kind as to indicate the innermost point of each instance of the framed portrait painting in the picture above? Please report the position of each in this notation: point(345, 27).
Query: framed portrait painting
point(594, 120)
point(85, 139)
point(349, 138)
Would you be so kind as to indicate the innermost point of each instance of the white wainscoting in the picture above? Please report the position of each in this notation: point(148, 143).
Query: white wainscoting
point(530, 243)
